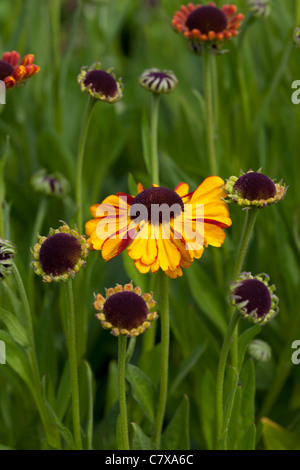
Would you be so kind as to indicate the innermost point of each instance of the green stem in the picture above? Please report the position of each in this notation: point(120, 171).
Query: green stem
point(165, 342)
point(73, 363)
point(298, 14)
point(122, 341)
point(154, 151)
point(243, 246)
point(221, 373)
point(150, 335)
point(51, 432)
point(208, 93)
point(80, 158)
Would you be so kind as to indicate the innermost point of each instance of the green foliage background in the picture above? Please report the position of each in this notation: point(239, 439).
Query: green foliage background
point(258, 127)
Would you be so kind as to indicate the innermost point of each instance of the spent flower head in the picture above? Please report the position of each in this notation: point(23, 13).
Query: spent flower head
point(100, 84)
point(158, 81)
point(60, 255)
point(254, 189)
point(254, 297)
point(124, 310)
point(207, 25)
point(15, 74)
point(50, 184)
point(7, 254)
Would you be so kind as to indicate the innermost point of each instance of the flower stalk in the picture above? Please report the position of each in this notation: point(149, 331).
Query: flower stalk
point(208, 93)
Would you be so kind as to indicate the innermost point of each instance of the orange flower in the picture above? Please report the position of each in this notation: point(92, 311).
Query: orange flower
point(159, 227)
point(14, 74)
point(207, 23)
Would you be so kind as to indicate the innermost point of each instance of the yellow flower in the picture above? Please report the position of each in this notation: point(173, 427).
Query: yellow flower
point(161, 228)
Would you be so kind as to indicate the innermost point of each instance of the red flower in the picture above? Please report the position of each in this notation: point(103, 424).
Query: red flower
point(13, 73)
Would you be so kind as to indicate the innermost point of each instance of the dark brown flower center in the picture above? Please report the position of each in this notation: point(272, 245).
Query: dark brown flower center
point(125, 310)
point(255, 186)
point(101, 82)
point(5, 69)
point(206, 19)
point(257, 294)
point(59, 253)
point(157, 205)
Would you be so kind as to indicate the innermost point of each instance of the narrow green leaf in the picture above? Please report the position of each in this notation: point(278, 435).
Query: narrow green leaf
point(112, 395)
point(146, 141)
point(206, 296)
point(89, 427)
point(16, 330)
point(245, 339)
point(143, 390)
point(64, 392)
point(176, 435)
point(277, 438)
point(243, 412)
point(140, 440)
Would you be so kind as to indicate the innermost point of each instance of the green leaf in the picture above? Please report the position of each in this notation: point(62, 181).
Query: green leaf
point(15, 329)
point(132, 185)
point(140, 440)
point(132, 273)
point(112, 395)
point(187, 365)
point(143, 390)
point(277, 438)
point(146, 141)
point(2, 168)
point(206, 296)
point(176, 435)
point(244, 340)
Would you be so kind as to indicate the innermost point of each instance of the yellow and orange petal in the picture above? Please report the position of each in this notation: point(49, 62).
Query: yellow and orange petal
point(15, 74)
point(207, 23)
point(170, 243)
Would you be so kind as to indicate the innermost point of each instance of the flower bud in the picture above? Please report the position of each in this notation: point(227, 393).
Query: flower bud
point(260, 350)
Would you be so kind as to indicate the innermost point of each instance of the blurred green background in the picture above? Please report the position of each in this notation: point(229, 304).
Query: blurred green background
point(257, 127)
